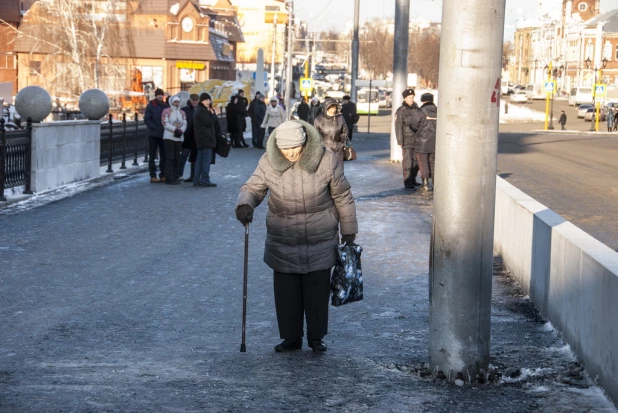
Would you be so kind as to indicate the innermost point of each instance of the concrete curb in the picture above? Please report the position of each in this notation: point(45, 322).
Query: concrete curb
point(570, 276)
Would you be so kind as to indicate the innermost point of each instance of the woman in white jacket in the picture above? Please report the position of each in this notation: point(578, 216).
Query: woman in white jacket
point(174, 125)
point(275, 116)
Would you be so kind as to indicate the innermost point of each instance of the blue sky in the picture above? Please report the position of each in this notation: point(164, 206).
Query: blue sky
point(335, 14)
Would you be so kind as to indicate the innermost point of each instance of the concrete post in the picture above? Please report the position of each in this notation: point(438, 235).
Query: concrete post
point(355, 52)
point(465, 187)
point(272, 63)
point(400, 67)
point(288, 71)
point(259, 73)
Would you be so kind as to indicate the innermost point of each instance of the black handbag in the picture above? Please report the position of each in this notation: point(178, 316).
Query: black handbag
point(223, 146)
point(349, 154)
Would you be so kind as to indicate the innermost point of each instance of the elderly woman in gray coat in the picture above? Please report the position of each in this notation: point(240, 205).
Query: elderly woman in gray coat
point(309, 206)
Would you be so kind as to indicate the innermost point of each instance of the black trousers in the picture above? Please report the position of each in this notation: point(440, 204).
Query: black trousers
point(410, 167)
point(172, 159)
point(350, 131)
point(302, 294)
point(155, 144)
point(426, 164)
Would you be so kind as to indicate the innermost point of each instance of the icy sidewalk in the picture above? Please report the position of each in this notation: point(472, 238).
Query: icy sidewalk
point(128, 297)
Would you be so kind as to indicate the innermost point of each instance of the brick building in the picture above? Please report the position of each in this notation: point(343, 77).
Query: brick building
point(171, 44)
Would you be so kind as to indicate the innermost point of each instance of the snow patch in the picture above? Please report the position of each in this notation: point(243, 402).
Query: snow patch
point(547, 327)
point(526, 374)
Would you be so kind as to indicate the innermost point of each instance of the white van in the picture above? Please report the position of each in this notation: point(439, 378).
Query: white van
point(580, 96)
point(535, 91)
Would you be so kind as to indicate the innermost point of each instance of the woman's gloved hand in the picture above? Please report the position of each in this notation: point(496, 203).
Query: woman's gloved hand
point(244, 213)
point(348, 239)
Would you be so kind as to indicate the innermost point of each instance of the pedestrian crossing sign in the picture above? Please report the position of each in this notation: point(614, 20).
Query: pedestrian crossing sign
point(306, 84)
point(549, 87)
point(599, 89)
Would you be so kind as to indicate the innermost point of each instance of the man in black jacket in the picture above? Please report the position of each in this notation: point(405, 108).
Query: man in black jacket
point(303, 110)
point(425, 147)
point(152, 119)
point(408, 119)
point(348, 110)
point(257, 111)
point(189, 150)
point(205, 140)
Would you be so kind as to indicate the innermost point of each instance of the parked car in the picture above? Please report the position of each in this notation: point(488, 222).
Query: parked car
point(519, 97)
point(591, 115)
point(582, 109)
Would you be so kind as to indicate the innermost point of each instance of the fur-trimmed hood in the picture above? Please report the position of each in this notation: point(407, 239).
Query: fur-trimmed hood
point(309, 159)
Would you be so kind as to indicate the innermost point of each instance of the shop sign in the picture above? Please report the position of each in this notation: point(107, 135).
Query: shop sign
point(190, 65)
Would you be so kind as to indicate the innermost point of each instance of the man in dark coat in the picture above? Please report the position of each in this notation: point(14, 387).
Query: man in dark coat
point(315, 110)
point(152, 119)
point(348, 110)
point(257, 111)
point(563, 119)
point(303, 110)
point(408, 119)
point(243, 105)
point(205, 141)
point(189, 150)
point(425, 144)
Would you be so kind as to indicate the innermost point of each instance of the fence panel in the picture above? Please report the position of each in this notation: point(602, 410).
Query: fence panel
point(135, 140)
point(15, 153)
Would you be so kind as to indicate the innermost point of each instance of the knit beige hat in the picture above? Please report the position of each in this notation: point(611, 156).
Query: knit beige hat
point(290, 134)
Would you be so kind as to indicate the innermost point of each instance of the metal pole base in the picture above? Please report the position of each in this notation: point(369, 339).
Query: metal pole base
point(243, 348)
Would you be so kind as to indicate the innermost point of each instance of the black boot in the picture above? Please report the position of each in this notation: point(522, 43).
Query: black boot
point(242, 140)
point(289, 344)
point(190, 179)
point(318, 346)
point(425, 184)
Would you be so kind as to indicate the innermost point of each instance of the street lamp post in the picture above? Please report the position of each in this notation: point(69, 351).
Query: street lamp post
point(553, 73)
point(594, 126)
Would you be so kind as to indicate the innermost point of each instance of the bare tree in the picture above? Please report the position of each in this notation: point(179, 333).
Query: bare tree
point(507, 52)
point(424, 55)
point(77, 41)
point(376, 49)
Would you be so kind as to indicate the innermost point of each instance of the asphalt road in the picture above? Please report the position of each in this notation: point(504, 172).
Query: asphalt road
point(572, 173)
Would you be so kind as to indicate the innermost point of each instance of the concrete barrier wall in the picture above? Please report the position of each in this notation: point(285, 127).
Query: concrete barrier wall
point(570, 276)
point(64, 152)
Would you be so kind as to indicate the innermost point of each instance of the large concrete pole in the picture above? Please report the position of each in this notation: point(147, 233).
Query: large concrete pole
point(400, 67)
point(355, 51)
point(465, 187)
point(288, 71)
point(259, 73)
point(272, 62)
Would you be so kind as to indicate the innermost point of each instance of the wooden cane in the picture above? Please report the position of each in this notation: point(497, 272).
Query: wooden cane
point(243, 347)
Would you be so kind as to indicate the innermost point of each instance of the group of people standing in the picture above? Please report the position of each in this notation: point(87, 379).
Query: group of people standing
point(178, 134)
point(415, 129)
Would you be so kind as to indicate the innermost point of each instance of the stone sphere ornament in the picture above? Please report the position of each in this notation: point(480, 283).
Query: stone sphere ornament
point(33, 102)
point(94, 104)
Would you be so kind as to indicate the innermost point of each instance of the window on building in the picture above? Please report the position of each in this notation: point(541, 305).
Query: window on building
point(607, 50)
point(7, 61)
point(616, 55)
point(113, 77)
point(34, 67)
point(582, 6)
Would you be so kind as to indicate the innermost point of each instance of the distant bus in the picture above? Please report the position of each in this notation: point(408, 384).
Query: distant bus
point(366, 101)
point(580, 96)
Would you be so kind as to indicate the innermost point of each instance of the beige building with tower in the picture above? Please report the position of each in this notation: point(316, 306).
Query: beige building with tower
point(257, 22)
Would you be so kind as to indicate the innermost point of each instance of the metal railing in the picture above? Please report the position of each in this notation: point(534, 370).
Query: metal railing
point(15, 158)
point(123, 139)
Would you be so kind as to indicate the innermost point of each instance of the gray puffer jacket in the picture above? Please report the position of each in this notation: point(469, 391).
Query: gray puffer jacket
point(310, 203)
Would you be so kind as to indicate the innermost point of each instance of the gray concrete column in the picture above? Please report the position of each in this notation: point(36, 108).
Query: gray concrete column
point(400, 66)
point(355, 52)
point(461, 261)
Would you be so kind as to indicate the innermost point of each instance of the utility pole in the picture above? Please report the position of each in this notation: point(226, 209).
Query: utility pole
point(272, 62)
point(288, 72)
point(355, 52)
point(400, 67)
point(461, 257)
